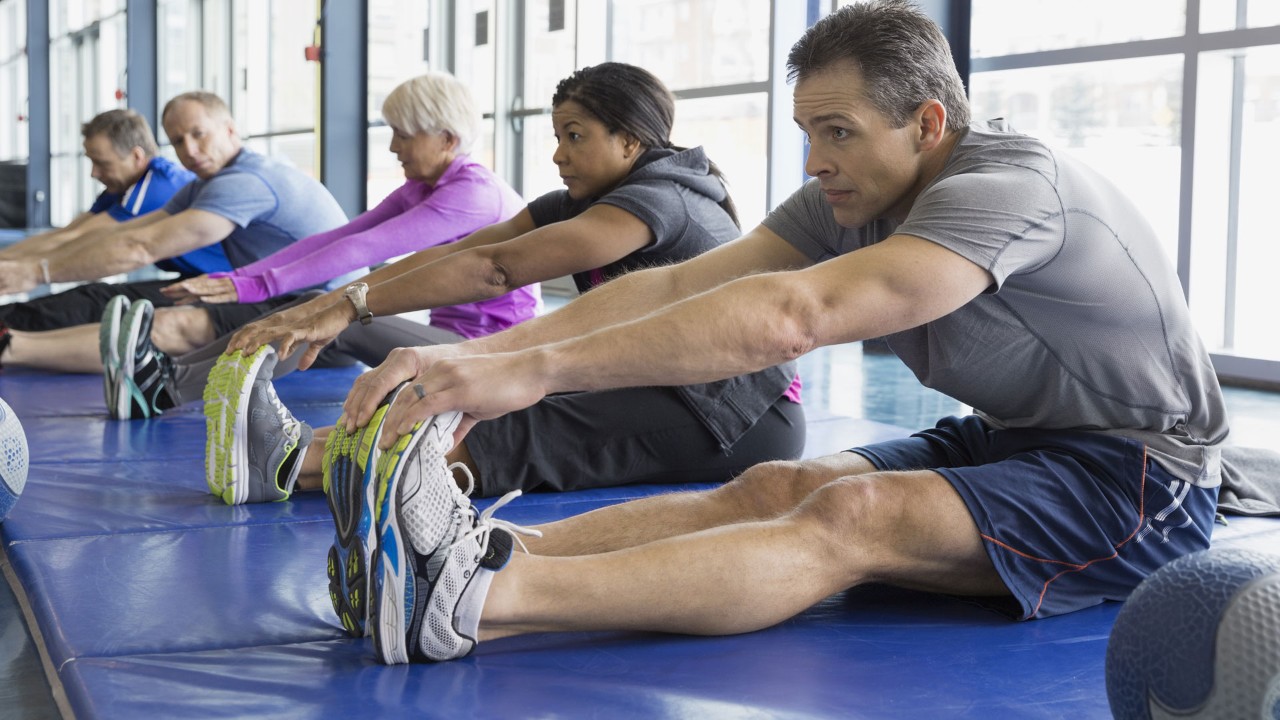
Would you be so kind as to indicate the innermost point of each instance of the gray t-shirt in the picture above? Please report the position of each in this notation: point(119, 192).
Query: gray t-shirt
point(1085, 327)
point(271, 203)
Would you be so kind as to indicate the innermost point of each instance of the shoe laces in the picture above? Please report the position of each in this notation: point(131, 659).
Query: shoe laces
point(471, 479)
point(486, 523)
point(290, 425)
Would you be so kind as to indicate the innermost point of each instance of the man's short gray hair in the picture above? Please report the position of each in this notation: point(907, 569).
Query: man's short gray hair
point(126, 129)
point(433, 103)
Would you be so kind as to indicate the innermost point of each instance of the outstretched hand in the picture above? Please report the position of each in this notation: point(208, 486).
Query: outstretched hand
point(371, 388)
point(19, 276)
point(312, 325)
point(481, 386)
point(202, 289)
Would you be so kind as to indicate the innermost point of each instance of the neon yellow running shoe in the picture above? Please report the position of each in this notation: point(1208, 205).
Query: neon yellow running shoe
point(254, 444)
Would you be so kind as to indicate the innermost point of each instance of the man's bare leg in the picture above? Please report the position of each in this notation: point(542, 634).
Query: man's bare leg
point(909, 529)
point(180, 330)
point(67, 350)
point(762, 492)
point(176, 331)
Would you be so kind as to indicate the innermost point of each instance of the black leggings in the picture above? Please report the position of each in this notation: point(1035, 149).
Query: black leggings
point(584, 440)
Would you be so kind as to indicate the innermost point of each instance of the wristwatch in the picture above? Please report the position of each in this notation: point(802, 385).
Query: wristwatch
point(355, 292)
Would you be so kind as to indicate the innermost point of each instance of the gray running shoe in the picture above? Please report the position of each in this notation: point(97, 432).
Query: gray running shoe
point(254, 442)
point(139, 387)
point(108, 348)
point(436, 555)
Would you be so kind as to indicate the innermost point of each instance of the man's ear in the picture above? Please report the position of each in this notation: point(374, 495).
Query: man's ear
point(139, 157)
point(931, 119)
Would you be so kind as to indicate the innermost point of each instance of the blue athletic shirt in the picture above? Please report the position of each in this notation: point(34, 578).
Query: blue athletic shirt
point(272, 204)
point(162, 179)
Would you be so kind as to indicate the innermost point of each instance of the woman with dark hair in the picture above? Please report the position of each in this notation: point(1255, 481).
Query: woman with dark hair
point(631, 201)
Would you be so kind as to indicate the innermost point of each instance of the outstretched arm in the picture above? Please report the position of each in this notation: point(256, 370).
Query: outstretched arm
point(45, 243)
point(742, 326)
point(138, 243)
point(476, 271)
point(621, 300)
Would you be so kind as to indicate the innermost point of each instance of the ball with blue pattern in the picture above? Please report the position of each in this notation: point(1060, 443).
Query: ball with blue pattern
point(1200, 638)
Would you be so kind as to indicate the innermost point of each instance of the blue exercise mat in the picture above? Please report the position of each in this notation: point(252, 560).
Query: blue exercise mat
point(156, 600)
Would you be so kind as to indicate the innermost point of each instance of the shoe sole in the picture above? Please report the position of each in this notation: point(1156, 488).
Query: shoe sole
point(108, 342)
point(126, 392)
point(226, 404)
point(387, 613)
point(350, 485)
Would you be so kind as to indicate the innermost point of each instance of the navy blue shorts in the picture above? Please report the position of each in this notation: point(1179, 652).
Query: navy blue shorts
point(1069, 519)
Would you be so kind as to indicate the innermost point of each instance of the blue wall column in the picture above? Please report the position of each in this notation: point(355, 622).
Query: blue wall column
point(141, 59)
point(38, 119)
point(344, 114)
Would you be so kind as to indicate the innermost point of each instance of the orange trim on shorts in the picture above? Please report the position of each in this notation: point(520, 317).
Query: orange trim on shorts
point(1076, 567)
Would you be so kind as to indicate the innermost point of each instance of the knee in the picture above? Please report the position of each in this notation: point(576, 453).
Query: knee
point(769, 489)
point(856, 512)
point(181, 330)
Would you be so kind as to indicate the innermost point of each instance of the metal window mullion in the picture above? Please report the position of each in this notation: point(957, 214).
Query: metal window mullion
point(1187, 142)
point(39, 115)
point(783, 153)
point(509, 50)
point(141, 58)
point(1233, 200)
point(1189, 42)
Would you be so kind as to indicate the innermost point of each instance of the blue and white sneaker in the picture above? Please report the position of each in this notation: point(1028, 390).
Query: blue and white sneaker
point(254, 445)
point(350, 466)
point(436, 556)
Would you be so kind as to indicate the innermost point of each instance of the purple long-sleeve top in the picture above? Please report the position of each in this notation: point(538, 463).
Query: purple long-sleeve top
point(416, 216)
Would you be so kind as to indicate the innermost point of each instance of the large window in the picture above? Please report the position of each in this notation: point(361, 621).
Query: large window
point(400, 47)
point(251, 53)
point(86, 69)
point(713, 55)
point(1181, 112)
point(13, 80)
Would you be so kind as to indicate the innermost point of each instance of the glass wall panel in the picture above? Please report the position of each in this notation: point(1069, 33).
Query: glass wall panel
point(549, 37)
point(291, 88)
point(398, 48)
point(1007, 27)
point(385, 173)
point(694, 43)
point(13, 80)
point(734, 132)
point(540, 174)
point(1235, 257)
point(474, 56)
point(1219, 15)
point(1121, 117)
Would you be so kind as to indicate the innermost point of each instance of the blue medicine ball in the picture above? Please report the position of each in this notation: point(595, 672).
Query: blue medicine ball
point(1200, 638)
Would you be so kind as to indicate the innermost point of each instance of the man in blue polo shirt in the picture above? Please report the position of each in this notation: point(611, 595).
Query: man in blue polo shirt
point(242, 206)
point(124, 157)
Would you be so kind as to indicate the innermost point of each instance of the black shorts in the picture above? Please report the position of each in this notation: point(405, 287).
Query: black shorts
point(619, 437)
point(81, 305)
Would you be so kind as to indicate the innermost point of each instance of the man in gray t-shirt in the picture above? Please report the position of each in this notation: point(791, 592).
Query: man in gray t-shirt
point(1001, 272)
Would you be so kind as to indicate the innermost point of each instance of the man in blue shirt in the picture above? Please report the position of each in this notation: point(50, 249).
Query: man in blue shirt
point(242, 206)
point(136, 180)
